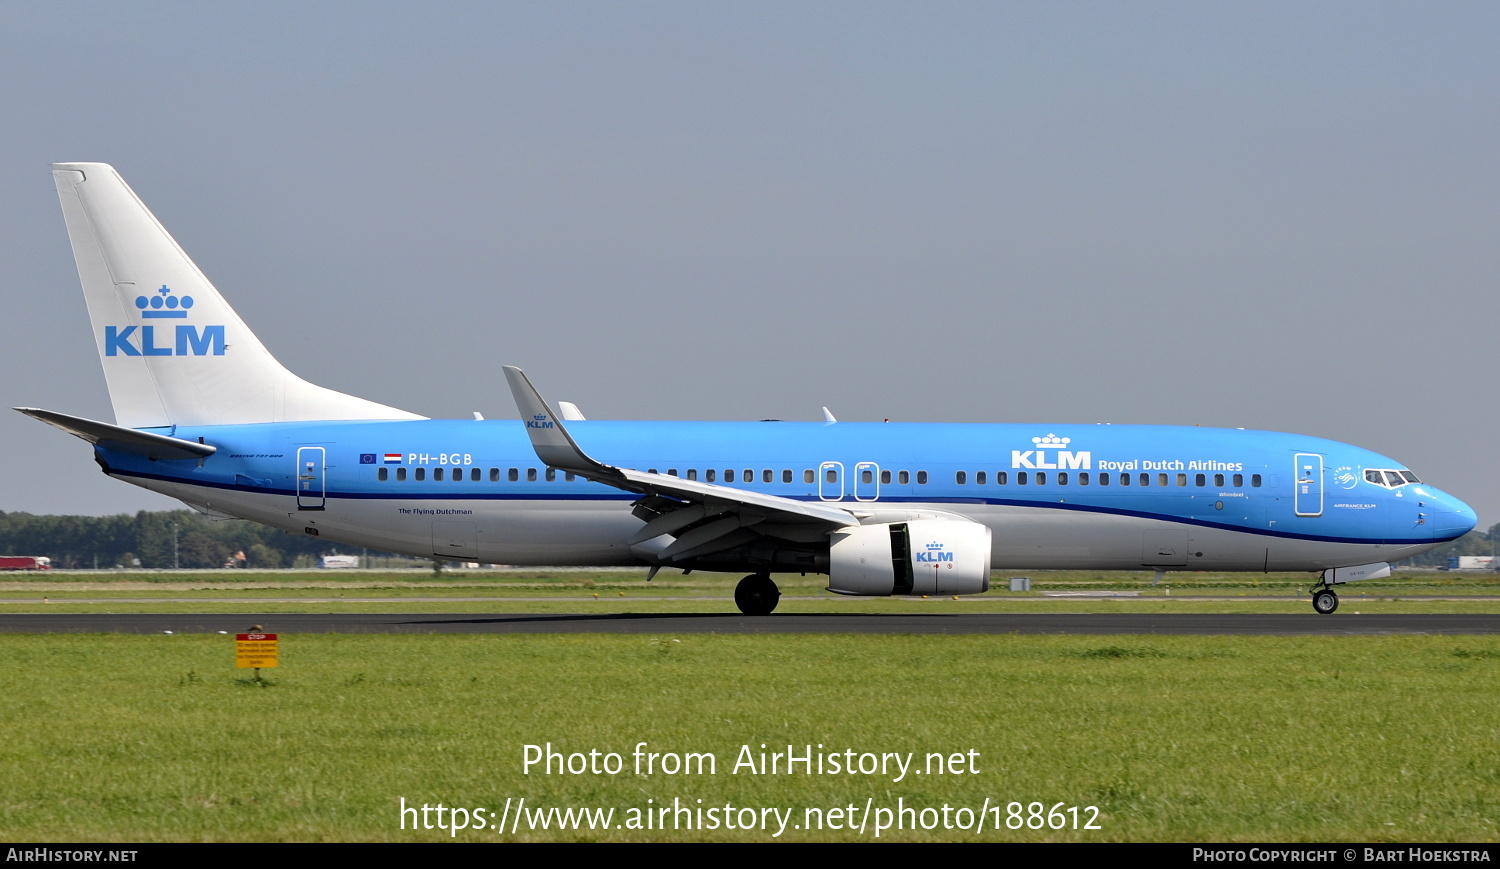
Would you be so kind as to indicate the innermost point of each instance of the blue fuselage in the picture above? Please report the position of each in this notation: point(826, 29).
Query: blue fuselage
point(1054, 496)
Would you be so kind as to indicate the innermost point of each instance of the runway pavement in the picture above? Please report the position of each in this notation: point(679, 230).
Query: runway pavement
point(1302, 624)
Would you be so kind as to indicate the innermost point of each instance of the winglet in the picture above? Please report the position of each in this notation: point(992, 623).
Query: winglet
point(828, 415)
point(553, 445)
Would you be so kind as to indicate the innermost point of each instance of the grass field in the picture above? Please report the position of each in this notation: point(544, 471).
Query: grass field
point(126, 738)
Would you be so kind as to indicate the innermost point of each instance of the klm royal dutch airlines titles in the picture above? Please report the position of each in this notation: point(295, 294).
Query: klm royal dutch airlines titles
point(205, 414)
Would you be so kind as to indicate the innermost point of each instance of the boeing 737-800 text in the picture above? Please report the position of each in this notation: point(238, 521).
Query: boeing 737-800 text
point(204, 414)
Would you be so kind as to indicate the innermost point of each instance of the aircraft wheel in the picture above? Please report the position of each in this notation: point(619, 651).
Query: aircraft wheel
point(756, 595)
point(1325, 602)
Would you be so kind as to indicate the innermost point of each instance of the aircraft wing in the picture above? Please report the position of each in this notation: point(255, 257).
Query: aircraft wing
point(703, 517)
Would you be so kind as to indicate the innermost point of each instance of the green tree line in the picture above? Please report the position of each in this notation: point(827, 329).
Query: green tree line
point(158, 540)
point(1473, 543)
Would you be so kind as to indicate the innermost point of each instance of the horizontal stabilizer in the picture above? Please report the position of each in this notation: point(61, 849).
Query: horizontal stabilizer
point(126, 440)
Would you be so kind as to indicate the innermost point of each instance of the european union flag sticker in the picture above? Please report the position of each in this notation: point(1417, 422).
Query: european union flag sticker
point(367, 458)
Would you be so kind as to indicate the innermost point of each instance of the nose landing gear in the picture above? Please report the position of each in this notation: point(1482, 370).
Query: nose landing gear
point(757, 595)
point(1325, 601)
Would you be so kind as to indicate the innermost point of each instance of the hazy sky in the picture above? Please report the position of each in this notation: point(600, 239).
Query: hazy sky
point(1275, 216)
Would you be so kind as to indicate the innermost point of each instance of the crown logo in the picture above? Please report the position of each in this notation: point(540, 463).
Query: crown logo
point(1051, 441)
point(539, 417)
point(164, 305)
point(934, 546)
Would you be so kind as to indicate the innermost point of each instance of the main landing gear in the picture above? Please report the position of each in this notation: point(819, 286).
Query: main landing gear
point(757, 595)
point(1324, 600)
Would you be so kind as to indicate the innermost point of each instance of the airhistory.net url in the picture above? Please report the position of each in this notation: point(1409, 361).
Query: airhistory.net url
point(516, 817)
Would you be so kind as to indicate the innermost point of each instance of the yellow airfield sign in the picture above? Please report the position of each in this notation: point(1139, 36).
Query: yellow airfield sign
point(255, 650)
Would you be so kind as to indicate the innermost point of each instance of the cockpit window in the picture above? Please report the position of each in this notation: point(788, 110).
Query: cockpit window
point(1390, 479)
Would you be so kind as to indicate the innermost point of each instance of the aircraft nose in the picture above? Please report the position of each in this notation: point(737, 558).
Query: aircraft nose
point(1450, 518)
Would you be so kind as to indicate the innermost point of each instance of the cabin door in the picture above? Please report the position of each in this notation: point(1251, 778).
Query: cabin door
point(1307, 499)
point(311, 493)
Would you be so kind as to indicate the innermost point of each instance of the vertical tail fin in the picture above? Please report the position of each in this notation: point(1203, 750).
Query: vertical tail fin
point(174, 352)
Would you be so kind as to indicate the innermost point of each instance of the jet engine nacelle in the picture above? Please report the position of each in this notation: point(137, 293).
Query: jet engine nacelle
point(923, 556)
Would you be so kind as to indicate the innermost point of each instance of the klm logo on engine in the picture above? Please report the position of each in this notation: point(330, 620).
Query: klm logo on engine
point(934, 554)
point(182, 339)
point(1051, 454)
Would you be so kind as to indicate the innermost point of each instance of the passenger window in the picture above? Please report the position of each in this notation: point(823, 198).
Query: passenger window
point(513, 475)
point(1062, 478)
point(1124, 479)
point(1001, 478)
point(960, 477)
point(568, 477)
point(1041, 478)
point(1083, 478)
point(786, 475)
point(903, 478)
point(729, 475)
point(552, 475)
point(710, 475)
point(381, 474)
point(671, 472)
point(749, 476)
point(831, 475)
point(1200, 480)
point(1218, 481)
point(921, 478)
point(1255, 481)
point(494, 475)
point(1239, 481)
point(400, 474)
point(1182, 479)
point(420, 474)
point(1020, 478)
point(807, 476)
point(885, 477)
point(767, 476)
point(1104, 479)
point(531, 475)
point(1161, 480)
point(979, 478)
point(692, 473)
point(1146, 480)
point(474, 476)
point(437, 473)
point(867, 476)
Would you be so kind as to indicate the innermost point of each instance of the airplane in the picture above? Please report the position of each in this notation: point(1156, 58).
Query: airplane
point(205, 414)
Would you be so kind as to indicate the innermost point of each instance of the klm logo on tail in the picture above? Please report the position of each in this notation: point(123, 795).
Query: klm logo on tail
point(183, 340)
